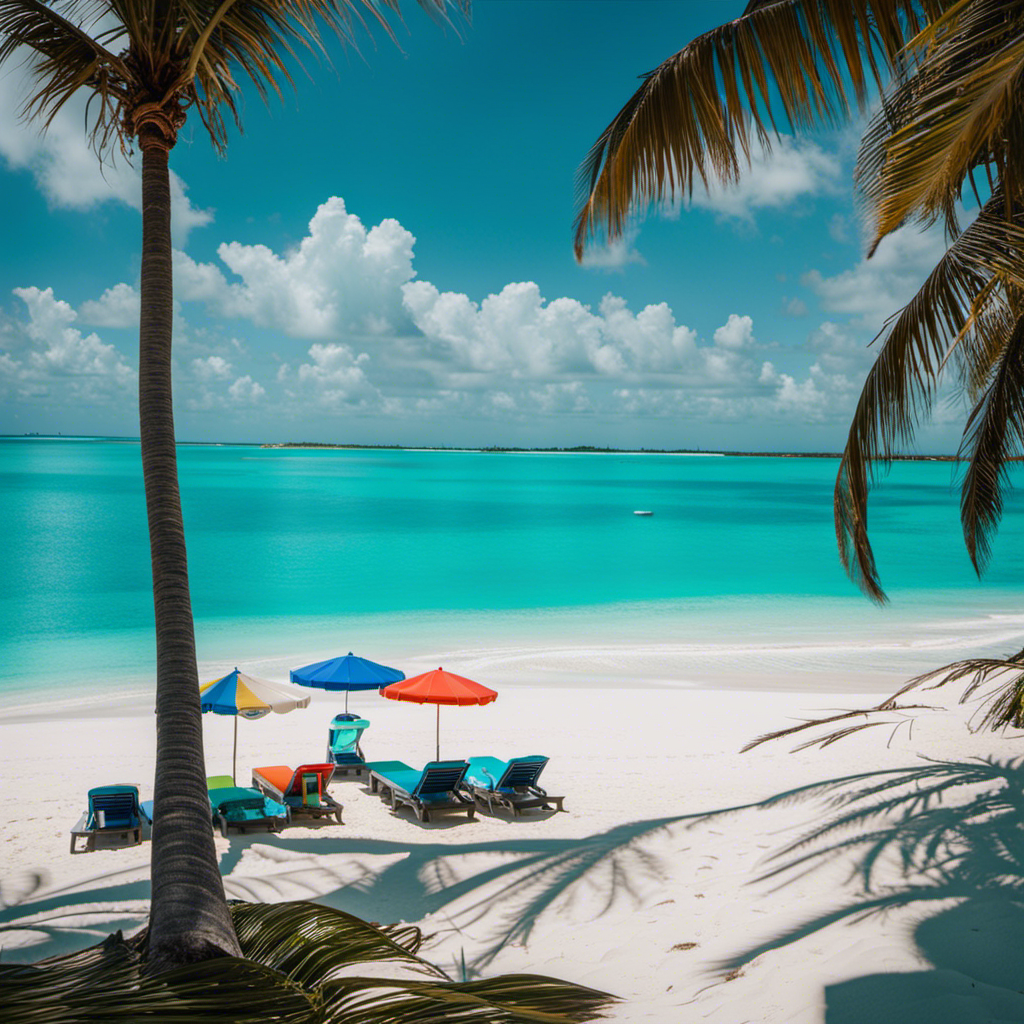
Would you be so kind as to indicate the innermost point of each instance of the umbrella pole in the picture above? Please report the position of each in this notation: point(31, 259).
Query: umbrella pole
point(346, 702)
point(437, 736)
point(234, 753)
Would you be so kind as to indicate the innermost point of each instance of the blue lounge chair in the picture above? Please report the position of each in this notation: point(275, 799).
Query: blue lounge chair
point(510, 784)
point(343, 749)
point(114, 812)
point(244, 808)
point(434, 789)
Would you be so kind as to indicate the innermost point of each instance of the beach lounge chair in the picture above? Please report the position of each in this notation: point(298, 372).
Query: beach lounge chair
point(114, 813)
point(343, 749)
point(244, 808)
point(302, 790)
point(510, 784)
point(434, 789)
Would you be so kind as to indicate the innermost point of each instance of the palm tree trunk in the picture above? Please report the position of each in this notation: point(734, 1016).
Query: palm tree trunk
point(189, 917)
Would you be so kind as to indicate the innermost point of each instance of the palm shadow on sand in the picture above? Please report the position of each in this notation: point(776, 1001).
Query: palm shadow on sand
point(946, 831)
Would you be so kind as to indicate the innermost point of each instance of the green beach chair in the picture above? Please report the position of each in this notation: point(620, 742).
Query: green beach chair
point(510, 784)
point(244, 808)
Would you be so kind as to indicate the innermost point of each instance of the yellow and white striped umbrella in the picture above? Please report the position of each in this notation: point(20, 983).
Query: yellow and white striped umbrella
point(248, 697)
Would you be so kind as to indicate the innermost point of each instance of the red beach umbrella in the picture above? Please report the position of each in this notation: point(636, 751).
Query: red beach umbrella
point(439, 687)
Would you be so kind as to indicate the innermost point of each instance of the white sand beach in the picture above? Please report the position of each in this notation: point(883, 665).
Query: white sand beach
point(655, 884)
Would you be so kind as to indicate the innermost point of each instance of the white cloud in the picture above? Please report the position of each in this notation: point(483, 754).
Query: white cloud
point(878, 287)
point(561, 398)
point(736, 333)
point(513, 332)
point(336, 379)
point(246, 391)
point(211, 368)
point(651, 337)
point(116, 307)
point(614, 255)
point(52, 357)
point(341, 279)
point(792, 171)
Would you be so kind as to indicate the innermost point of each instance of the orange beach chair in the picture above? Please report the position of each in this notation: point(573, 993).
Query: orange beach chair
point(303, 790)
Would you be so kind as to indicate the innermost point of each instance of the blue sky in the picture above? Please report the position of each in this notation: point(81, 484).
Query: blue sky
point(385, 257)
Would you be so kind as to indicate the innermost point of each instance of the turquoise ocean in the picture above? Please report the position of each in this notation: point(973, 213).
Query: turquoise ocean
point(514, 568)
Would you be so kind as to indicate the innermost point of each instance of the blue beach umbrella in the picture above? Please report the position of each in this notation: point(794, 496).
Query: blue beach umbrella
point(248, 697)
point(348, 673)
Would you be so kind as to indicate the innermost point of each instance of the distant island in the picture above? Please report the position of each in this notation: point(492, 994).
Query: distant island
point(581, 449)
point(586, 449)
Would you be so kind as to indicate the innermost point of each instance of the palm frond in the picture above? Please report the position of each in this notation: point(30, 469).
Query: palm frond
point(299, 969)
point(62, 58)
point(959, 106)
point(998, 708)
point(901, 384)
point(993, 436)
point(696, 115)
point(184, 53)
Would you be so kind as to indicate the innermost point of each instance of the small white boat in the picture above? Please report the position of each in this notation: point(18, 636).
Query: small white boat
point(641, 512)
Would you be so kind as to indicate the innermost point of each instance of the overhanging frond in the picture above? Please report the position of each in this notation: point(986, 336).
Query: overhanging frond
point(993, 436)
point(902, 382)
point(958, 105)
point(695, 116)
point(62, 58)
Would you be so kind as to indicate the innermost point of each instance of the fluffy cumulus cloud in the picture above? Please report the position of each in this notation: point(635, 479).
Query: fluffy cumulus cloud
point(47, 356)
point(116, 307)
point(342, 278)
point(381, 343)
point(334, 379)
point(791, 172)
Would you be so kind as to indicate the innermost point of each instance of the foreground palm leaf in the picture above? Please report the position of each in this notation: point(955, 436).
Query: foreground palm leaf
point(951, 119)
point(144, 66)
point(299, 966)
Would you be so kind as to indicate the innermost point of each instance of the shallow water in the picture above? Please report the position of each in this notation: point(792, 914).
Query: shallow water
point(525, 568)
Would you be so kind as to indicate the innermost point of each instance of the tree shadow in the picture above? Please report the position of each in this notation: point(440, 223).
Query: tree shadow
point(946, 832)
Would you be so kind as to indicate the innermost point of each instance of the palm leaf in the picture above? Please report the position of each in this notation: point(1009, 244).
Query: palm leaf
point(62, 58)
point(901, 384)
point(298, 960)
point(695, 116)
point(961, 111)
point(993, 436)
point(998, 708)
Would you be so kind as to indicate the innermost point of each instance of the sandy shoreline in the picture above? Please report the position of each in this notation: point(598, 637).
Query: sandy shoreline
point(651, 885)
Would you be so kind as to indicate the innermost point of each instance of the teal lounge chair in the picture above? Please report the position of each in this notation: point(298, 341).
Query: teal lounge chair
point(244, 808)
point(303, 790)
point(343, 749)
point(510, 784)
point(434, 789)
point(114, 813)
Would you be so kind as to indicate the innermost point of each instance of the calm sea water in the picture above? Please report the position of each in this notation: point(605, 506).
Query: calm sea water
point(526, 568)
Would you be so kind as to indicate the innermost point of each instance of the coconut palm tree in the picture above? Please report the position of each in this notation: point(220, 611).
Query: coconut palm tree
point(950, 121)
point(145, 66)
